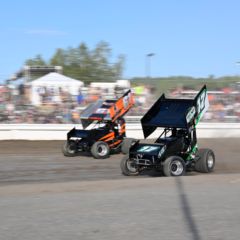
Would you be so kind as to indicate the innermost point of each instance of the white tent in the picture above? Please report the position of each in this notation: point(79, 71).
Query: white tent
point(54, 82)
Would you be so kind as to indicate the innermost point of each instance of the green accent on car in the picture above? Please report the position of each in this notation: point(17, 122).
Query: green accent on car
point(194, 149)
point(190, 114)
point(198, 119)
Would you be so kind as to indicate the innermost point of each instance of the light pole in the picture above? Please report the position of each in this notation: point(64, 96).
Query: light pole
point(148, 65)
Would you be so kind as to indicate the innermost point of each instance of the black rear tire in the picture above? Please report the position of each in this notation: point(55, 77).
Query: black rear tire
point(69, 148)
point(100, 150)
point(127, 167)
point(126, 144)
point(206, 161)
point(174, 166)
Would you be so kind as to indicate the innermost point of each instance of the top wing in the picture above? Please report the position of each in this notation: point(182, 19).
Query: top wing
point(175, 113)
point(109, 110)
point(121, 106)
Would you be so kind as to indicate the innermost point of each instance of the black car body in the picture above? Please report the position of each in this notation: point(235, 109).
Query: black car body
point(103, 128)
point(175, 150)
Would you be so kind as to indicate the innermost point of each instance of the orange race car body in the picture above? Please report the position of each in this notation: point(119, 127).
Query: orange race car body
point(108, 130)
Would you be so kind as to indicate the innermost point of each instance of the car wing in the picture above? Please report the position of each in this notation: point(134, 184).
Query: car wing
point(108, 110)
point(175, 113)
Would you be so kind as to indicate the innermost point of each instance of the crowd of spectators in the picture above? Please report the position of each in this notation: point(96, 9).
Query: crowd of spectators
point(224, 104)
point(16, 106)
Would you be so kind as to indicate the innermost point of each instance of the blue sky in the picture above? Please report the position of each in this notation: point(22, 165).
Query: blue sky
point(189, 37)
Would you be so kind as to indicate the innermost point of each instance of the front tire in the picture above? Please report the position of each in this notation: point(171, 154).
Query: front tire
point(126, 144)
point(69, 149)
point(206, 162)
point(174, 166)
point(127, 167)
point(100, 150)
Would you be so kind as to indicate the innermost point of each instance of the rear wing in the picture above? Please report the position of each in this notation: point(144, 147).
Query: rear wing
point(109, 110)
point(201, 103)
point(175, 113)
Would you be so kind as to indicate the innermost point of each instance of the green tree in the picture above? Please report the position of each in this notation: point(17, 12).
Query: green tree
point(99, 57)
point(85, 64)
point(118, 67)
point(36, 61)
point(58, 59)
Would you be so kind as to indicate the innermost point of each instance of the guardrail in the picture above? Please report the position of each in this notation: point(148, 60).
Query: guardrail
point(59, 131)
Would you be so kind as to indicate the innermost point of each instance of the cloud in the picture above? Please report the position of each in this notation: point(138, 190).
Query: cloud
point(45, 32)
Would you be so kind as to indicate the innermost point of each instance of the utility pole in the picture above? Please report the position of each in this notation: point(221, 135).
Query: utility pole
point(148, 65)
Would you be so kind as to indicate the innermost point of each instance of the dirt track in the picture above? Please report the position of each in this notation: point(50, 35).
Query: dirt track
point(42, 161)
point(44, 195)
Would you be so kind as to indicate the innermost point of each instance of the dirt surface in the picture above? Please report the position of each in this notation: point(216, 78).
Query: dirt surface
point(44, 195)
point(43, 161)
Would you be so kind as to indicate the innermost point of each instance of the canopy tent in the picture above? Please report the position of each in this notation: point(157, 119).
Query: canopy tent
point(54, 83)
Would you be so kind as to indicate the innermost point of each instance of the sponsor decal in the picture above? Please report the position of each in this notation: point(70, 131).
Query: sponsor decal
point(202, 102)
point(161, 152)
point(190, 114)
point(102, 110)
point(148, 148)
point(202, 105)
point(126, 100)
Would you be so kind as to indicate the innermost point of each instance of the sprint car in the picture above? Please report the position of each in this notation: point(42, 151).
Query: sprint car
point(175, 151)
point(103, 128)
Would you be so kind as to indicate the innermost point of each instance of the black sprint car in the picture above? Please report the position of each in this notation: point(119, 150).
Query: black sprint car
point(175, 151)
point(103, 128)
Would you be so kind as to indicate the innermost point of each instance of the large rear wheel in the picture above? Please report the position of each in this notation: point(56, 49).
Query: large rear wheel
point(206, 161)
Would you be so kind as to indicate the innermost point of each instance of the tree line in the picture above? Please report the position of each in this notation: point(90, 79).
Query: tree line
point(98, 64)
point(85, 64)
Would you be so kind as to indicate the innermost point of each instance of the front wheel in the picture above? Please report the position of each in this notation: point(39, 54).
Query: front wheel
point(126, 145)
point(69, 148)
point(174, 166)
point(100, 150)
point(128, 167)
point(206, 161)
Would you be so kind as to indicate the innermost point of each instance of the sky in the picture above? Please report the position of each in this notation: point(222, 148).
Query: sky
point(188, 37)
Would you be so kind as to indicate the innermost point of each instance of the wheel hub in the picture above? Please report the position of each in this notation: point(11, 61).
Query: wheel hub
point(71, 147)
point(210, 161)
point(176, 168)
point(102, 150)
point(131, 167)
